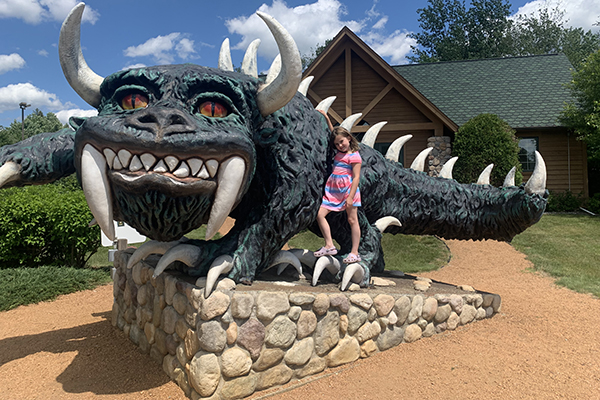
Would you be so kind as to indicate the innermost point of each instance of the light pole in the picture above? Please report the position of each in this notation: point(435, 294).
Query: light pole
point(23, 107)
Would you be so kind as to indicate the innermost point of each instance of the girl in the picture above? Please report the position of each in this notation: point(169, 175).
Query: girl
point(341, 193)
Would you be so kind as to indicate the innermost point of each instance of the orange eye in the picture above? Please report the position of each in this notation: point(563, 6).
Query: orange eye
point(212, 109)
point(134, 101)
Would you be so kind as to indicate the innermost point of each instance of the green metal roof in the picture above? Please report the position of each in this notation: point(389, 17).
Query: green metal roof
point(526, 92)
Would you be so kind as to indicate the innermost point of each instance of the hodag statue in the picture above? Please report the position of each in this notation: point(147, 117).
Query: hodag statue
point(177, 146)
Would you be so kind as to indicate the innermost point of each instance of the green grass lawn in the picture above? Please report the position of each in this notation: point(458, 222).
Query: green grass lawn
point(567, 247)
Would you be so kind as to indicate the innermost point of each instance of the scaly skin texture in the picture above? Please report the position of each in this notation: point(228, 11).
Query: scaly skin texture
point(288, 158)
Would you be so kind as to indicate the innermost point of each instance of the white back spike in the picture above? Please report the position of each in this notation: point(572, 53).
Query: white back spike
point(393, 152)
point(274, 70)
point(419, 163)
point(249, 66)
point(324, 105)
point(371, 136)
point(537, 182)
point(305, 84)
point(510, 178)
point(383, 223)
point(446, 171)
point(349, 122)
point(225, 63)
point(484, 178)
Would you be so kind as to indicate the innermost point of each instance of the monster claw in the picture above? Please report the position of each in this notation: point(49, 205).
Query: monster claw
point(222, 265)
point(332, 264)
point(484, 178)
point(419, 162)
point(355, 273)
point(371, 134)
point(446, 171)
point(185, 253)
point(383, 223)
point(306, 257)
point(9, 172)
point(283, 259)
point(151, 247)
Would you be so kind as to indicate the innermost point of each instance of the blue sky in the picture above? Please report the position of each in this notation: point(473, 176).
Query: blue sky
point(125, 33)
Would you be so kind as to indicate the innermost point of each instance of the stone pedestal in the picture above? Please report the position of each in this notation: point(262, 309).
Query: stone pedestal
point(442, 152)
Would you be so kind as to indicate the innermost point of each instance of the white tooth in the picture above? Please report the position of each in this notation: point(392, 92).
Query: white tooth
point(171, 162)
point(195, 165)
point(203, 173)
point(183, 171)
point(229, 182)
point(136, 164)
point(212, 166)
point(124, 157)
point(96, 188)
point(117, 164)
point(148, 160)
point(160, 167)
point(110, 156)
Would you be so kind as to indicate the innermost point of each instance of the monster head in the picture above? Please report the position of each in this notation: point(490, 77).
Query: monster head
point(172, 147)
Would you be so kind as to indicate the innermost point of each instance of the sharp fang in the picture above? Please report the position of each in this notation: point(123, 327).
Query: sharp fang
point(537, 182)
point(229, 182)
point(117, 164)
point(124, 157)
point(183, 171)
point(148, 160)
point(212, 166)
point(195, 165)
point(186, 253)
point(96, 188)
point(383, 223)
point(393, 152)
point(151, 247)
point(221, 265)
point(510, 178)
point(355, 273)
point(285, 258)
point(9, 172)
point(371, 134)
point(171, 162)
point(161, 167)
point(306, 257)
point(419, 163)
point(110, 156)
point(203, 173)
point(136, 164)
point(332, 264)
point(484, 178)
point(446, 171)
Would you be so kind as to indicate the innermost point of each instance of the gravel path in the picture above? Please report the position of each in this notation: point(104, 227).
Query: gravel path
point(545, 344)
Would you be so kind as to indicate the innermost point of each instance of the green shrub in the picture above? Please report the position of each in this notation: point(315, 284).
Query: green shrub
point(45, 225)
point(483, 140)
point(564, 201)
point(593, 203)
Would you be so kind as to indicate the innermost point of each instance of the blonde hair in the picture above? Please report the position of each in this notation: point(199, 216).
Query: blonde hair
point(338, 130)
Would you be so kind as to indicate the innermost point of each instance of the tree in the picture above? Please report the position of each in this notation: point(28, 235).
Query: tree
point(34, 123)
point(308, 58)
point(483, 140)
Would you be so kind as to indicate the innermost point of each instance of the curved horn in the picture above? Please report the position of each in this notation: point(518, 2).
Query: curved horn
point(225, 63)
point(305, 84)
point(249, 63)
point(510, 178)
point(349, 122)
point(274, 70)
point(81, 78)
point(324, 105)
point(446, 171)
point(419, 163)
point(484, 178)
point(371, 134)
point(393, 152)
point(272, 97)
point(537, 182)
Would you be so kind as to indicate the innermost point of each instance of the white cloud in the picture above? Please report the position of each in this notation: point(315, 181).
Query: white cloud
point(163, 48)
point(43, 53)
point(12, 95)
point(578, 13)
point(395, 46)
point(64, 115)
point(10, 62)
point(37, 11)
point(134, 66)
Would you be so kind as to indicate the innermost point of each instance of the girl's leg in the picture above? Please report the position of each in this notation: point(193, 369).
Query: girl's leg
point(324, 226)
point(354, 228)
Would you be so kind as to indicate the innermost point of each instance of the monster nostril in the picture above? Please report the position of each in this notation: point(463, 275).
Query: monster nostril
point(147, 119)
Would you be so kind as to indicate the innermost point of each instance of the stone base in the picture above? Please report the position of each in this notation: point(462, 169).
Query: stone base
point(244, 339)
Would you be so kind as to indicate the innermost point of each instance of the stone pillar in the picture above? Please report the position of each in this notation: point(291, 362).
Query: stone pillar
point(442, 152)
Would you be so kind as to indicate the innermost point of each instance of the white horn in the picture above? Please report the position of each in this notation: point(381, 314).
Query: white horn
point(446, 171)
point(510, 178)
point(225, 63)
point(324, 105)
point(249, 63)
point(371, 134)
point(151, 247)
point(9, 172)
point(419, 162)
point(484, 178)
point(353, 272)
point(274, 70)
point(272, 97)
point(332, 264)
point(81, 78)
point(383, 223)
point(186, 253)
point(537, 182)
point(349, 122)
point(393, 152)
point(96, 188)
point(222, 265)
point(305, 84)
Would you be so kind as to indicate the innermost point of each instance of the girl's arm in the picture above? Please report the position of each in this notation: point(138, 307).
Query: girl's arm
point(355, 181)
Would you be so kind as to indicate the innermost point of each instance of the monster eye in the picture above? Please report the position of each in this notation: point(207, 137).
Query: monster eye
point(134, 101)
point(213, 109)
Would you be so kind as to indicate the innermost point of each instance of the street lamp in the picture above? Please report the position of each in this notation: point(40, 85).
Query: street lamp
point(23, 107)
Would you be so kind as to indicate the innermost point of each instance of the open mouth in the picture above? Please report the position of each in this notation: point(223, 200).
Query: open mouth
point(172, 175)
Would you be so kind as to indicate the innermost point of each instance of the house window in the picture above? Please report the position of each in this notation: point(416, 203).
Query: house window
point(527, 148)
point(383, 147)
